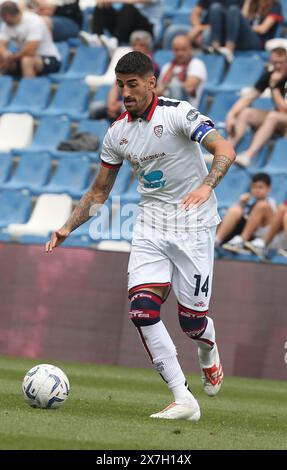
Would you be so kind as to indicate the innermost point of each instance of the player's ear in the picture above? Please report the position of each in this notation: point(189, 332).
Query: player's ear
point(151, 82)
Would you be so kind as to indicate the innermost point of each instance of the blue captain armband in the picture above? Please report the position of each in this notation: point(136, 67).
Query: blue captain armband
point(201, 131)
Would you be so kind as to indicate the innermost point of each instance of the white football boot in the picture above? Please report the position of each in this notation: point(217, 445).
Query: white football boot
point(212, 376)
point(189, 411)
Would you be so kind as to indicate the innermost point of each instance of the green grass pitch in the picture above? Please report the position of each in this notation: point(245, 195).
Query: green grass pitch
point(109, 408)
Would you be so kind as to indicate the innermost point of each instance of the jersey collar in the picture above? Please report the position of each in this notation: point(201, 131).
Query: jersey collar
point(148, 113)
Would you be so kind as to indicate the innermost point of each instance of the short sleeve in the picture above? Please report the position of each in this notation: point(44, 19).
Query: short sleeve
point(197, 69)
point(4, 36)
point(109, 156)
point(192, 123)
point(276, 12)
point(35, 32)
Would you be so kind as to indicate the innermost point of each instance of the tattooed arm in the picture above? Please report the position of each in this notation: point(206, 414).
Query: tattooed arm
point(95, 196)
point(224, 156)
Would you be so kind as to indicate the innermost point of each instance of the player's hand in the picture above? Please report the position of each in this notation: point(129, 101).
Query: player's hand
point(197, 197)
point(56, 239)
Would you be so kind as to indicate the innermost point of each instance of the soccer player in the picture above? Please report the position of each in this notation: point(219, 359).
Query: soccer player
point(173, 238)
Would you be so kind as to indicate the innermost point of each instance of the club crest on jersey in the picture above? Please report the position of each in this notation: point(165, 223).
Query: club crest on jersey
point(158, 130)
point(192, 115)
point(124, 141)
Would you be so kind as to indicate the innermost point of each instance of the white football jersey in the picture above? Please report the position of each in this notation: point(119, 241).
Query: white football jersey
point(163, 147)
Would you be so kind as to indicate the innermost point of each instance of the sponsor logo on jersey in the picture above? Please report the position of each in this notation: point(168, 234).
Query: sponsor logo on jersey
point(124, 141)
point(154, 179)
point(158, 130)
point(192, 115)
point(156, 156)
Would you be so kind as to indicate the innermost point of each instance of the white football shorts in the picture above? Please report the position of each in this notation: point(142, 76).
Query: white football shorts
point(184, 262)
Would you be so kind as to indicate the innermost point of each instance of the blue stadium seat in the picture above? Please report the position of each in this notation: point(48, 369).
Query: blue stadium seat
point(278, 157)
point(221, 104)
point(215, 65)
point(162, 56)
point(6, 90)
point(49, 133)
point(15, 207)
point(72, 176)
point(172, 5)
point(96, 127)
point(180, 17)
point(6, 164)
point(71, 100)
point(188, 4)
point(5, 237)
point(242, 73)
point(102, 93)
point(279, 185)
point(32, 96)
point(32, 172)
point(87, 61)
point(64, 50)
point(236, 182)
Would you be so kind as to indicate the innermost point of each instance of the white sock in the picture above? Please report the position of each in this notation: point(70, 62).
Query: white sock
point(206, 350)
point(163, 352)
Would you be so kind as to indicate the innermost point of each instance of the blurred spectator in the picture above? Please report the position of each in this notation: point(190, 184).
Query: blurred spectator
point(244, 29)
point(267, 123)
point(139, 41)
point(63, 17)
point(254, 211)
point(36, 53)
point(203, 13)
point(133, 15)
point(275, 237)
point(184, 77)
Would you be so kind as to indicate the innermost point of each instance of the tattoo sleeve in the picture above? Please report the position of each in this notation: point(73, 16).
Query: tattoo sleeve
point(92, 199)
point(219, 168)
point(224, 156)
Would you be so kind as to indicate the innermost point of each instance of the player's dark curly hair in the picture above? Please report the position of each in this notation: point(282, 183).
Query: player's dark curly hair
point(135, 62)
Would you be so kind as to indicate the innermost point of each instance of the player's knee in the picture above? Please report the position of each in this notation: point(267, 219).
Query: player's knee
point(145, 308)
point(192, 322)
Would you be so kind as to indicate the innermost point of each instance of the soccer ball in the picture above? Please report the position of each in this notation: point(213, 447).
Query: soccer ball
point(45, 386)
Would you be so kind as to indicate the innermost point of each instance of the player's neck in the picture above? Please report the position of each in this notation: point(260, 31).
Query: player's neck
point(145, 106)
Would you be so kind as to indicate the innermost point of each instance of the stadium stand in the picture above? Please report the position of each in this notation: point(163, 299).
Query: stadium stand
point(96, 79)
point(15, 207)
point(87, 61)
point(243, 73)
point(86, 70)
point(32, 172)
point(50, 212)
point(32, 96)
point(6, 164)
point(50, 131)
point(6, 90)
point(72, 177)
point(70, 100)
point(16, 131)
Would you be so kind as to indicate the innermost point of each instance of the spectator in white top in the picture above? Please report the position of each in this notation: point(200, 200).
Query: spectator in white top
point(63, 17)
point(185, 76)
point(36, 54)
